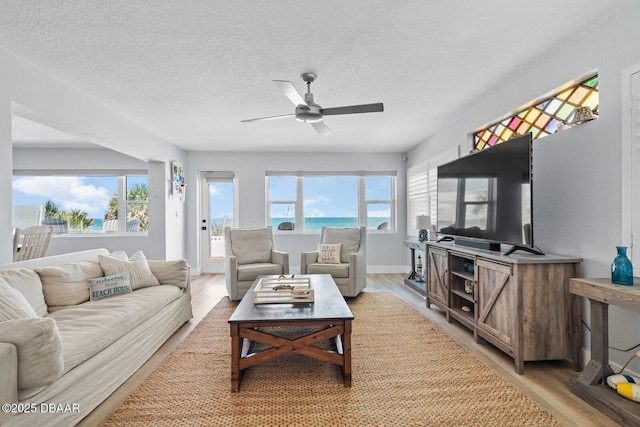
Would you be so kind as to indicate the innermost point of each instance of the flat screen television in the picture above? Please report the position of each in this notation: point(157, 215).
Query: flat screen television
point(485, 198)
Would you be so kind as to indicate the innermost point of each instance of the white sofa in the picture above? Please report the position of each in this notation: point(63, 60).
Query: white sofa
point(80, 351)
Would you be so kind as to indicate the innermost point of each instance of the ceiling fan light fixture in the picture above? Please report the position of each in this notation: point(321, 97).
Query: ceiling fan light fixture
point(308, 113)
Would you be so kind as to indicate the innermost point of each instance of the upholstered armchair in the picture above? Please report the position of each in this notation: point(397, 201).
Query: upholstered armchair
point(250, 253)
point(347, 266)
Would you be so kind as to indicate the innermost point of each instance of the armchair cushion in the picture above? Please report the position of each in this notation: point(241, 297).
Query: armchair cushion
point(251, 271)
point(349, 237)
point(329, 253)
point(338, 271)
point(252, 246)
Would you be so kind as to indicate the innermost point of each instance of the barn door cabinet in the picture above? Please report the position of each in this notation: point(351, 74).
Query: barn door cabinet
point(519, 303)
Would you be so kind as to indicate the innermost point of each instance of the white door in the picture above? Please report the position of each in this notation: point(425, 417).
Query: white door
point(217, 211)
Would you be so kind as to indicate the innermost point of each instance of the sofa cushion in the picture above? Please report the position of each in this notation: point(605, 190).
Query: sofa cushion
point(88, 328)
point(137, 267)
point(329, 253)
point(39, 344)
point(335, 270)
point(66, 284)
point(252, 245)
point(251, 271)
point(28, 283)
point(171, 272)
point(109, 286)
point(349, 237)
point(13, 305)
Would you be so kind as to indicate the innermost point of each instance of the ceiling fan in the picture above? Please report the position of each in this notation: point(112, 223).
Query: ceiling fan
point(308, 111)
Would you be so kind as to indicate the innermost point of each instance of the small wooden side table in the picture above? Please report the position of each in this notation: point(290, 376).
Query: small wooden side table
point(591, 384)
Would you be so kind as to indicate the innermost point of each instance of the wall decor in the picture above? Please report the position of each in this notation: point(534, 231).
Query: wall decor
point(177, 181)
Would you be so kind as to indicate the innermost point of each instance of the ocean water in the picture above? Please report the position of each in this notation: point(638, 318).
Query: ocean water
point(316, 224)
point(313, 224)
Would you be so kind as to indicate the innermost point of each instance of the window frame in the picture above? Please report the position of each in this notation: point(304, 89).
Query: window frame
point(422, 189)
point(362, 202)
point(123, 203)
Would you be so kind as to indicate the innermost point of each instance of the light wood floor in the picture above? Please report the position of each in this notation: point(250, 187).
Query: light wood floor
point(544, 382)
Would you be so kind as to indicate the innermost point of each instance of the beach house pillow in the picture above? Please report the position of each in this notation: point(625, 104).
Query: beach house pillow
point(39, 348)
point(109, 286)
point(140, 274)
point(27, 282)
point(329, 253)
point(66, 284)
point(13, 305)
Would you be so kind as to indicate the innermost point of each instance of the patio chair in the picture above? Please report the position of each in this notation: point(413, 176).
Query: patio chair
point(31, 242)
point(250, 253)
point(349, 267)
point(27, 216)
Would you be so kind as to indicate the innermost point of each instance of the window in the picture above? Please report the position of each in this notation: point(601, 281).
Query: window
point(84, 204)
point(422, 189)
point(545, 117)
point(308, 202)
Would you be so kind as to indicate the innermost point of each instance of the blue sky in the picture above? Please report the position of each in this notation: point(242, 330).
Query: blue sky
point(324, 196)
point(88, 194)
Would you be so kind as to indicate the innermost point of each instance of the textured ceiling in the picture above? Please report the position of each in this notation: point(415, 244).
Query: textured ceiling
point(190, 71)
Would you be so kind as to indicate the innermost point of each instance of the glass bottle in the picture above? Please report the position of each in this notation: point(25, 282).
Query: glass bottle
point(621, 268)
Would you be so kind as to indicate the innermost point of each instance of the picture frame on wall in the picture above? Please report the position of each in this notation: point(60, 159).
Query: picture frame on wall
point(178, 185)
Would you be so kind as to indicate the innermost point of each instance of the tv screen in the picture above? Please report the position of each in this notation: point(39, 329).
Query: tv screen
point(486, 196)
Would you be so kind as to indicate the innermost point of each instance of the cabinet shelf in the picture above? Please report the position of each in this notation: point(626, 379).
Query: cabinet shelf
point(463, 294)
point(463, 274)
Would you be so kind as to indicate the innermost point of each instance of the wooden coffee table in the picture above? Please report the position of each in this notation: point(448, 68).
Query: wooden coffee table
point(329, 311)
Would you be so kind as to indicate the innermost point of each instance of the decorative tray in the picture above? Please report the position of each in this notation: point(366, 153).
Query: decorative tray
point(283, 290)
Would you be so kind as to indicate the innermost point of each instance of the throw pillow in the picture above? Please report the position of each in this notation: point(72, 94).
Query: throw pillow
point(329, 253)
point(171, 272)
point(137, 267)
point(66, 284)
point(39, 346)
point(109, 286)
point(28, 283)
point(13, 305)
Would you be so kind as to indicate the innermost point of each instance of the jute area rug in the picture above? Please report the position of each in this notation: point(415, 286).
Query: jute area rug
point(406, 372)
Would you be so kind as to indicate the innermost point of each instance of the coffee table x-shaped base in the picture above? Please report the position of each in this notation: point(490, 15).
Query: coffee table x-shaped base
point(244, 333)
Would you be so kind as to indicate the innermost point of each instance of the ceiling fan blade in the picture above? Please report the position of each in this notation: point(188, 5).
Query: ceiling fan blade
point(353, 109)
point(321, 128)
point(290, 92)
point(268, 118)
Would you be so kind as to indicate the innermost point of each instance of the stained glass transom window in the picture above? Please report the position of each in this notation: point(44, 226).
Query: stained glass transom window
point(544, 118)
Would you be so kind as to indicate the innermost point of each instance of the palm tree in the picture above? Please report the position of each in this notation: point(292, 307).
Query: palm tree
point(51, 210)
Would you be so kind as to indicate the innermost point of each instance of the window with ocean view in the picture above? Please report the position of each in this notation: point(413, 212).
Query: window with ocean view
point(83, 204)
point(308, 202)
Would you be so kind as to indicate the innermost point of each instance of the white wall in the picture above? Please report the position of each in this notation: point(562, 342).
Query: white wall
point(577, 172)
point(385, 252)
point(35, 95)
